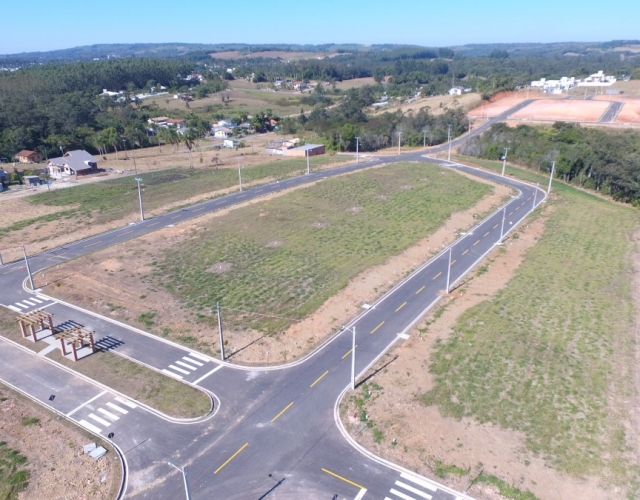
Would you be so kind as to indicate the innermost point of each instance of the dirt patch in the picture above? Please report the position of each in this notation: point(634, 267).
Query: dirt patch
point(320, 225)
point(354, 210)
point(562, 110)
point(220, 267)
point(630, 112)
point(57, 467)
point(275, 244)
point(424, 438)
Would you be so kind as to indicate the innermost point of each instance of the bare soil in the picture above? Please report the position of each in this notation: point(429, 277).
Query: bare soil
point(117, 289)
point(562, 110)
point(57, 467)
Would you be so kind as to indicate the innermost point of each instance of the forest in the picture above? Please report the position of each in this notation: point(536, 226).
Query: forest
point(606, 161)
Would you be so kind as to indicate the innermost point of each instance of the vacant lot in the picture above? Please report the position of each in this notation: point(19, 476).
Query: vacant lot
point(437, 104)
point(270, 263)
point(47, 220)
point(536, 383)
point(562, 110)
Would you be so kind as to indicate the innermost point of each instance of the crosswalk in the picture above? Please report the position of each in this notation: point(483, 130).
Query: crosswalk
point(33, 302)
point(186, 365)
point(103, 417)
point(409, 487)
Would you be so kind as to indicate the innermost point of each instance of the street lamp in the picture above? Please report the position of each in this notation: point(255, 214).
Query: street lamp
point(399, 141)
point(504, 160)
point(357, 147)
point(239, 174)
point(139, 180)
point(124, 145)
point(553, 169)
point(183, 470)
point(449, 139)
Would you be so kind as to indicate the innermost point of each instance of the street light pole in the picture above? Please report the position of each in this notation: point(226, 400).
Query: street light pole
point(424, 138)
point(307, 155)
point(357, 147)
point(353, 360)
point(553, 168)
point(26, 261)
point(504, 160)
point(449, 139)
point(449, 268)
point(220, 331)
point(399, 141)
point(239, 174)
point(139, 180)
point(184, 477)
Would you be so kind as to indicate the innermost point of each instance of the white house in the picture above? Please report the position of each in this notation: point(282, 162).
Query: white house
point(222, 132)
point(77, 162)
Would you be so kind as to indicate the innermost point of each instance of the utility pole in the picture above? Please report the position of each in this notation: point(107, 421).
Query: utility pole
point(26, 261)
point(399, 141)
point(139, 180)
point(504, 216)
point(184, 477)
point(504, 160)
point(220, 331)
point(307, 155)
point(449, 268)
point(239, 174)
point(353, 361)
point(357, 148)
point(124, 145)
point(449, 139)
point(553, 168)
point(424, 138)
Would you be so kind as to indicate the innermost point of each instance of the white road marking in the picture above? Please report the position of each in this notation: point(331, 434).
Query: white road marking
point(173, 367)
point(28, 302)
point(126, 402)
point(108, 414)
point(89, 426)
point(193, 361)
point(182, 363)
point(206, 375)
point(171, 374)
point(117, 408)
point(418, 481)
point(14, 309)
point(401, 495)
point(360, 495)
point(86, 403)
point(23, 306)
point(413, 490)
point(36, 300)
point(198, 356)
point(100, 420)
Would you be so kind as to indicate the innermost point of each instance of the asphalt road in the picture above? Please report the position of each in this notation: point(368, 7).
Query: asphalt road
point(274, 432)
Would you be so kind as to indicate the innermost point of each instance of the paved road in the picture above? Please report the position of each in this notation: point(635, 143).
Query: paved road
point(611, 112)
point(275, 433)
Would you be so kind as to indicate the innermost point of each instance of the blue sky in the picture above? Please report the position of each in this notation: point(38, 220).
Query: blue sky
point(40, 25)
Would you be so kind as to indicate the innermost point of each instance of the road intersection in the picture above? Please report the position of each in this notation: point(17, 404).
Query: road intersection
point(275, 432)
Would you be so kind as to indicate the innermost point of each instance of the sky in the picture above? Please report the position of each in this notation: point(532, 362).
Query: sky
point(42, 25)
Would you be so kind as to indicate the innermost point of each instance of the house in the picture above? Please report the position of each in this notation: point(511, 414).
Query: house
point(77, 162)
point(222, 132)
point(307, 150)
point(230, 143)
point(31, 180)
point(300, 86)
point(456, 91)
point(158, 121)
point(176, 122)
point(26, 156)
point(280, 146)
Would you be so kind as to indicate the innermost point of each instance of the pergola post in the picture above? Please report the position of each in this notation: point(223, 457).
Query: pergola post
point(63, 348)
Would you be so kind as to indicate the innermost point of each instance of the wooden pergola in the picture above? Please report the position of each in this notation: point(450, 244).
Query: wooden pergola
point(29, 321)
point(78, 337)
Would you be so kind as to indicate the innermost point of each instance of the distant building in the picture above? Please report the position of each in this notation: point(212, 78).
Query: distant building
point(77, 162)
point(230, 143)
point(280, 146)
point(307, 150)
point(26, 156)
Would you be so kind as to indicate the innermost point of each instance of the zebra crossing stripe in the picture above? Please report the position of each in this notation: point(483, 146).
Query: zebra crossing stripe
point(108, 414)
point(99, 420)
point(401, 495)
point(413, 490)
point(171, 374)
point(199, 356)
point(192, 361)
point(30, 303)
point(181, 363)
point(36, 300)
point(418, 481)
point(126, 402)
point(117, 408)
point(15, 309)
point(21, 305)
point(179, 369)
point(89, 426)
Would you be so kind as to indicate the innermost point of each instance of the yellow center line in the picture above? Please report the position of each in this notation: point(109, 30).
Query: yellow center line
point(126, 232)
point(476, 243)
point(343, 478)
point(419, 290)
point(348, 352)
point(465, 252)
point(287, 407)
point(91, 244)
point(403, 304)
point(320, 377)
point(373, 331)
point(437, 275)
point(453, 262)
point(231, 458)
point(486, 234)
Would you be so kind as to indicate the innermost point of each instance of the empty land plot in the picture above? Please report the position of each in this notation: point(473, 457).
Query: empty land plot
point(630, 112)
point(93, 208)
point(271, 263)
point(437, 105)
point(552, 354)
point(498, 105)
point(562, 110)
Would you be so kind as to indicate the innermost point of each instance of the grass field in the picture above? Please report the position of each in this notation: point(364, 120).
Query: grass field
point(102, 202)
point(158, 391)
point(13, 476)
point(552, 354)
point(285, 257)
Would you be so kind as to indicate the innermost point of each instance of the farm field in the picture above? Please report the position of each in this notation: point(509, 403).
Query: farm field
point(46, 220)
point(270, 264)
point(530, 378)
